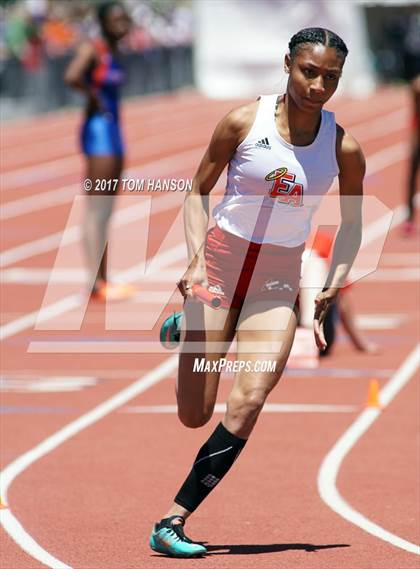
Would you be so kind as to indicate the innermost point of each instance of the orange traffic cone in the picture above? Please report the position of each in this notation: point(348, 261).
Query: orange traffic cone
point(373, 394)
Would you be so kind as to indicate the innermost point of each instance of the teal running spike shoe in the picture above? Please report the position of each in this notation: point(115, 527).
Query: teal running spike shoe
point(170, 539)
point(170, 332)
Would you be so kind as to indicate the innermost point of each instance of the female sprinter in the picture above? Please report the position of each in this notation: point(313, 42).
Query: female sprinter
point(96, 71)
point(283, 152)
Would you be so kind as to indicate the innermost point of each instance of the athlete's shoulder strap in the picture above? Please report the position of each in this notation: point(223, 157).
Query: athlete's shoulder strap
point(328, 118)
point(329, 136)
point(266, 108)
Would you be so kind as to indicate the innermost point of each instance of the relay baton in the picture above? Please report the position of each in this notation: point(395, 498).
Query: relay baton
point(205, 296)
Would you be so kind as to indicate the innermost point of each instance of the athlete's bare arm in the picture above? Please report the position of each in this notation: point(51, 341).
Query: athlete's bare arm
point(229, 133)
point(78, 66)
point(352, 168)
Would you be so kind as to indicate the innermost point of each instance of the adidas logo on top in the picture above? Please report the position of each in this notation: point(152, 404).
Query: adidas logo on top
point(263, 143)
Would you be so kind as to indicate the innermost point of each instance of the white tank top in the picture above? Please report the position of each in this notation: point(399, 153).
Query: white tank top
point(273, 187)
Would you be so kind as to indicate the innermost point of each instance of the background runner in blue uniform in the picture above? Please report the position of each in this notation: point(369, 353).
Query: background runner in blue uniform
point(96, 71)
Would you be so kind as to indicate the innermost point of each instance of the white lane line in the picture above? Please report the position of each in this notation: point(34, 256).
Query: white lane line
point(36, 276)
point(386, 157)
point(411, 274)
point(17, 532)
point(401, 377)
point(73, 234)
point(40, 246)
point(60, 146)
point(50, 384)
point(401, 259)
point(29, 320)
point(41, 172)
point(381, 126)
point(73, 301)
point(380, 321)
point(268, 408)
point(39, 201)
point(376, 228)
point(327, 475)
point(103, 374)
point(11, 525)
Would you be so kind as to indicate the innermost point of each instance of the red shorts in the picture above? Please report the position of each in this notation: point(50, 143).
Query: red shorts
point(239, 269)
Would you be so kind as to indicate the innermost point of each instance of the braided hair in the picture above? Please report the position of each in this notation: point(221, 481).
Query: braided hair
point(317, 35)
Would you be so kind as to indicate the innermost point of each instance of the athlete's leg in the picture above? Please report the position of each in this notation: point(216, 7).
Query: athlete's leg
point(265, 333)
point(415, 149)
point(206, 338)
point(98, 210)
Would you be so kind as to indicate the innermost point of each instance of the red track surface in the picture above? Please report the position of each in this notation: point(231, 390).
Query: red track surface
point(91, 502)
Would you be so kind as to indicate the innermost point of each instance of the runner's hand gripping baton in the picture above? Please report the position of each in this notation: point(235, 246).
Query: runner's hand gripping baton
point(205, 296)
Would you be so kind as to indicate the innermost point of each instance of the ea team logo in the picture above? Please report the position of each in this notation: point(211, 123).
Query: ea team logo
point(284, 188)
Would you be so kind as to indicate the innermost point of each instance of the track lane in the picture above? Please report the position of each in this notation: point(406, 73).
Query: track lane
point(273, 555)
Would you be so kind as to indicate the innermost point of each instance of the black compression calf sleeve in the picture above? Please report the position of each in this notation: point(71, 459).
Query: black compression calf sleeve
point(213, 461)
